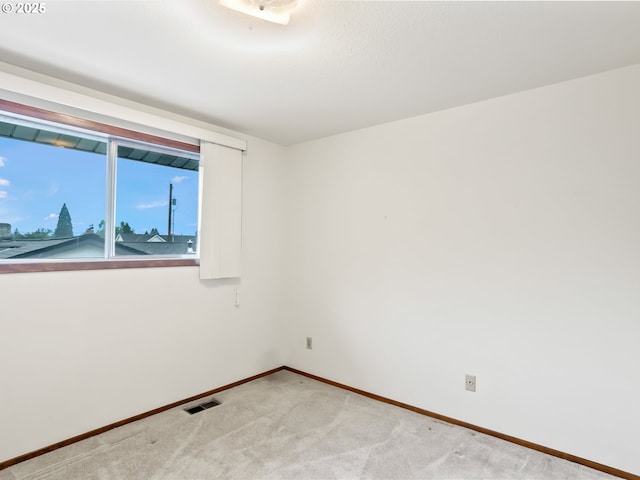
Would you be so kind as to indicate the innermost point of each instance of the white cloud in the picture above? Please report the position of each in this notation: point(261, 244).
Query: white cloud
point(144, 206)
point(51, 216)
point(178, 179)
point(4, 182)
point(3, 194)
point(3, 160)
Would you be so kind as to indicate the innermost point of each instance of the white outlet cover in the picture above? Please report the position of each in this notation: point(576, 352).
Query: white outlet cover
point(470, 383)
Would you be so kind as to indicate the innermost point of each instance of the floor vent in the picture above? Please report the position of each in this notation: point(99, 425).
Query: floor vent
point(201, 407)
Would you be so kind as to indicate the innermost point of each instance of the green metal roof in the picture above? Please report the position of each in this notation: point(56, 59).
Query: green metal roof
point(47, 137)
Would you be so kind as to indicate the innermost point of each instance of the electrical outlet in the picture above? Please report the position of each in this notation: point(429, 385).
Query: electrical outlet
point(470, 383)
point(309, 343)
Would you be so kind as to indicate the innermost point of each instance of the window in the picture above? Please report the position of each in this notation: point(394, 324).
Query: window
point(157, 202)
point(70, 194)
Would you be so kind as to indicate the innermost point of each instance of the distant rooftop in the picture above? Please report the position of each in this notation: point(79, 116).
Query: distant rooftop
point(92, 245)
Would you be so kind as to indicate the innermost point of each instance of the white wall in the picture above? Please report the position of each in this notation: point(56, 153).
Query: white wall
point(500, 239)
point(80, 350)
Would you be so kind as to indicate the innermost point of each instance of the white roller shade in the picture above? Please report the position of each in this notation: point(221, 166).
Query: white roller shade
point(221, 220)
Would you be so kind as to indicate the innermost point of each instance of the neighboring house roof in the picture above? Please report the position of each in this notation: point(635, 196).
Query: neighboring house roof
point(159, 248)
point(158, 244)
point(180, 239)
point(145, 237)
point(23, 248)
point(65, 247)
point(56, 247)
point(136, 237)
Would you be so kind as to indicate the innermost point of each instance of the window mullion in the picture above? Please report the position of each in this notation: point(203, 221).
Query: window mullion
point(110, 222)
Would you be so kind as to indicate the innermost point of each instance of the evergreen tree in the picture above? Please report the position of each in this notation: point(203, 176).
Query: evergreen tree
point(64, 227)
point(124, 228)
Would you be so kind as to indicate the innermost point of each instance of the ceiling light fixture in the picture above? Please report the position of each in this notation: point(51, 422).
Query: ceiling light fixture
point(276, 11)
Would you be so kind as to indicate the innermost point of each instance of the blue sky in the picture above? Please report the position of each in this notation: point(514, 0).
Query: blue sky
point(36, 180)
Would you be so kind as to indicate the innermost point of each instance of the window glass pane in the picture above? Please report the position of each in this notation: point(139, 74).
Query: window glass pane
point(52, 192)
point(156, 202)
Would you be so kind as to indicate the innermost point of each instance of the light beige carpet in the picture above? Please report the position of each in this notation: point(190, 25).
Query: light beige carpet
point(286, 426)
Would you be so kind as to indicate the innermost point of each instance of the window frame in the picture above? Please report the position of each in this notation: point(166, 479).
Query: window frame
point(55, 265)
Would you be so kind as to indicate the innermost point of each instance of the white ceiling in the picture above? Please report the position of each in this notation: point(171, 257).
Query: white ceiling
point(338, 65)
